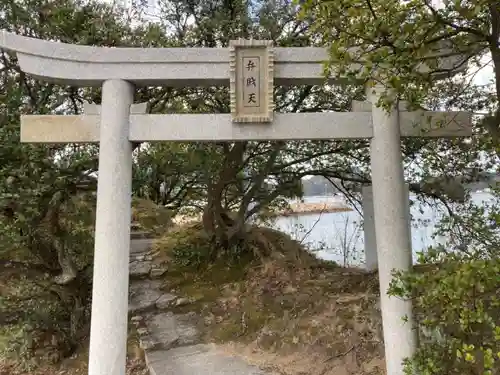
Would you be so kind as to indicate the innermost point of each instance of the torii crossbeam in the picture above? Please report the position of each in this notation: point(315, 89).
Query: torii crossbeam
point(218, 127)
point(116, 125)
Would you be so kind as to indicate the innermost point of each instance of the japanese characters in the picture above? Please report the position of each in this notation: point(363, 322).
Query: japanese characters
point(251, 80)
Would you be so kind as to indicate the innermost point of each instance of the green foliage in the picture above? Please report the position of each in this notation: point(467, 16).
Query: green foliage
point(458, 311)
point(456, 300)
point(393, 38)
point(35, 325)
point(188, 246)
point(47, 209)
point(47, 215)
point(456, 303)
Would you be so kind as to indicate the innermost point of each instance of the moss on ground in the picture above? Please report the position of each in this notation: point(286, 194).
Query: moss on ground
point(151, 217)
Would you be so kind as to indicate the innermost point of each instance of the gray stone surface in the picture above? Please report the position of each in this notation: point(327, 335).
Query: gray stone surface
point(219, 127)
point(137, 318)
point(165, 301)
point(140, 235)
point(107, 352)
point(140, 268)
point(157, 271)
point(146, 343)
point(172, 342)
point(140, 246)
point(183, 301)
point(143, 295)
point(197, 360)
point(168, 331)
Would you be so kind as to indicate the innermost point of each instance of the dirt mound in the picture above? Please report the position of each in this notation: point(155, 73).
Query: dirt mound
point(189, 245)
point(281, 308)
point(302, 321)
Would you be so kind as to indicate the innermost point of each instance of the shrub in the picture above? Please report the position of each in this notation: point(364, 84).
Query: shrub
point(189, 245)
point(151, 217)
point(457, 310)
point(186, 245)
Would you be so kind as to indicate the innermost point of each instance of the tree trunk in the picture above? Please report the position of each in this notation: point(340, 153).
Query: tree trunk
point(495, 52)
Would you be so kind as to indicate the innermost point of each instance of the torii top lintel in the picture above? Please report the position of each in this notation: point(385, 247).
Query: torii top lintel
point(79, 65)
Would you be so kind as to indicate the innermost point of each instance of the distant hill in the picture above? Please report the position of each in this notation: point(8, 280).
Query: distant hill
point(318, 186)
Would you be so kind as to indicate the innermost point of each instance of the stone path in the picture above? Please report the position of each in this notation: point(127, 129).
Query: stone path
point(171, 342)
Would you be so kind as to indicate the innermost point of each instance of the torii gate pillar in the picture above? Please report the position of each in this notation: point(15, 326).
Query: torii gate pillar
point(109, 318)
point(392, 230)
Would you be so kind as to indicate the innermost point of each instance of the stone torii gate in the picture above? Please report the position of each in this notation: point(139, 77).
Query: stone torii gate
point(251, 69)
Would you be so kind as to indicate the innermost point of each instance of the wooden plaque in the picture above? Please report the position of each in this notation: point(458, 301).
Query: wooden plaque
point(251, 65)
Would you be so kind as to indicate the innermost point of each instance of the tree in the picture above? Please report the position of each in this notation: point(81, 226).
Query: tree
point(167, 174)
point(47, 205)
point(456, 299)
point(231, 177)
point(392, 38)
point(219, 167)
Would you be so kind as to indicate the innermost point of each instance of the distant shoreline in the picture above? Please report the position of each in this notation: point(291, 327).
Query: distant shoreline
point(309, 208)
point(295, 209)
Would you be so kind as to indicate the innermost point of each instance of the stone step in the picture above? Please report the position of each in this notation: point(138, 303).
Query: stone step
point(146, 296)
point(137, 235)
point(197, 360)
point(166, 331)
point(143, 295)
point(140, 246)
point(139, 269)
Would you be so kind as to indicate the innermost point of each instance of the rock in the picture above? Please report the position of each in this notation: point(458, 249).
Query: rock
point(140, 246)
point(143, 295)
point(148, 258)
point(183, 301)
point(165, 301)
point(137, 318)
point(142, 331)
point(146, 343)
point(157, 272)
point(139, 269)
point(209, 319)
point(139, 257)
point(168, 330)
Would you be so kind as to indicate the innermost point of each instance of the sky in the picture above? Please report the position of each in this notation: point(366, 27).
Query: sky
point(485, 75)
point(482, 77)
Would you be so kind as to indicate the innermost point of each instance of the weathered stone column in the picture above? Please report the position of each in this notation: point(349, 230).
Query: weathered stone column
point(108, 333)
point(370, 238)
point(392, 231)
